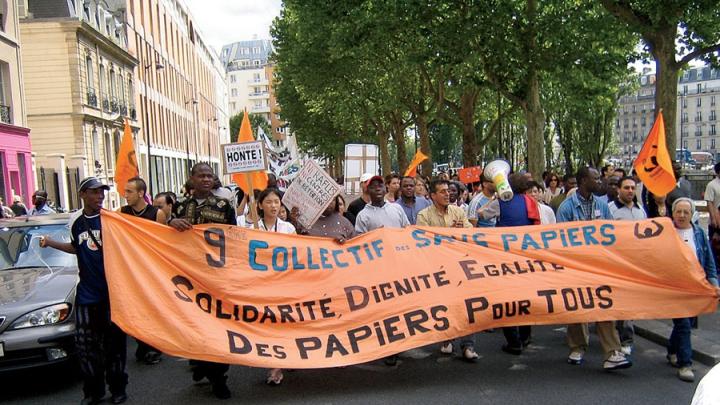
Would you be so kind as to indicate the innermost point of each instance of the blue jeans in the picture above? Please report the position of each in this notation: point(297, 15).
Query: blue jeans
point(680, 344)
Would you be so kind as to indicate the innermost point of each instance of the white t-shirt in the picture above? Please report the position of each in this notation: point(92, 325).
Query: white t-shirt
point(547, 215)
point(712, 192)
point(279, 227)
point(688, 236)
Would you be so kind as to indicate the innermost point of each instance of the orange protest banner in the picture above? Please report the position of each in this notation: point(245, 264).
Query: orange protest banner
point(263, 299)
point(470, 175)
point(412, 167)
point(653, 165)
point(127, 166)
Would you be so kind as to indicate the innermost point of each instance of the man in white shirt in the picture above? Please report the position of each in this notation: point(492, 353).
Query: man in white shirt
point(379, 213)
point(712, 196)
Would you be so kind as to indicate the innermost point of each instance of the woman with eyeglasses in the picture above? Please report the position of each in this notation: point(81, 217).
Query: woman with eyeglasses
point(552, 188)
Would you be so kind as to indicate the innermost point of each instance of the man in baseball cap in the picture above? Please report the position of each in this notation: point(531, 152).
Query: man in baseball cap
point(101, 345)
point(356, 206)
point(90, 183)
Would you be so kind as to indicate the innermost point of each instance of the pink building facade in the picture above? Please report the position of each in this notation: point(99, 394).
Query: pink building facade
point(17, 176)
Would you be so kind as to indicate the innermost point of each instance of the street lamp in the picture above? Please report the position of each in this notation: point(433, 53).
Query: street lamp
point(187, 138)
point(209, 121)
point(158, 66)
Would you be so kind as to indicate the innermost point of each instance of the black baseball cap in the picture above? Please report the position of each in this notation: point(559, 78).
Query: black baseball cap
point(90, 183)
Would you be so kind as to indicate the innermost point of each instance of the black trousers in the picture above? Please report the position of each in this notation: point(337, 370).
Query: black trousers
point(516, 335)
point(102, 350)
point(215, 372)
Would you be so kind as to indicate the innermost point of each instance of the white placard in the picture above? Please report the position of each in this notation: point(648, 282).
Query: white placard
point(244, 157)
point(359, 159)
point(311, 192)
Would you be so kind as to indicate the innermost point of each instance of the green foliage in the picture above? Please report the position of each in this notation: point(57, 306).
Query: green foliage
point(256, 121)
point(480, 77)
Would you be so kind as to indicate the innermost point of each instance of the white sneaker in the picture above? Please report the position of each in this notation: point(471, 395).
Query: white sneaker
point(686, 374)
point(446, 348)
point(576, 357)
point(616, 361)
point(626, 349)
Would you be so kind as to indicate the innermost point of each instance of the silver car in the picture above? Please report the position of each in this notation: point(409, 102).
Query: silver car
point(37, 293)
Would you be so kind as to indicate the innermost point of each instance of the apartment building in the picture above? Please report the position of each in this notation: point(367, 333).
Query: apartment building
point(250, 74)
point(181, 92)
point(17, 176)
point(80, 87)
point(698, 98)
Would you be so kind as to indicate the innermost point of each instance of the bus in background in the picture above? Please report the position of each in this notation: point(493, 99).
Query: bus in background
point(703, 160)
point(683, 156)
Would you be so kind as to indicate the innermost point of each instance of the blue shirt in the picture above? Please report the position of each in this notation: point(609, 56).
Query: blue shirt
point(478, 201)
point(92, 288)
point(571, 210)
point(411, 211)
point(514, 212)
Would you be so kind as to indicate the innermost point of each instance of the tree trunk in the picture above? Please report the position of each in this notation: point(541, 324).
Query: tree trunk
point(666, 86)
point(385, 167)
point(467, 116)
point(421, 126)
point(398, 135)
point(535, 121)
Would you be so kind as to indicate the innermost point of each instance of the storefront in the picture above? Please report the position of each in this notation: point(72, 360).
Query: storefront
point(16, 176)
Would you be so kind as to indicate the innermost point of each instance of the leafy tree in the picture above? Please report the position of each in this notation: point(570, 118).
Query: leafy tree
point(256, 121)
point(674, 32)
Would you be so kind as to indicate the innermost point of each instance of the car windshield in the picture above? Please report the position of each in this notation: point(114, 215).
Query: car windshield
point(20, 247)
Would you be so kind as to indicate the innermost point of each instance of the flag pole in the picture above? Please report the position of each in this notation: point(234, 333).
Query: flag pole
point(251, 199)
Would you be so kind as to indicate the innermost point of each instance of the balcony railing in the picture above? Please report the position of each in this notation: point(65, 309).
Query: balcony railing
point(114, 105)
point(106, 104)
point(91, 98)
point(5, 114)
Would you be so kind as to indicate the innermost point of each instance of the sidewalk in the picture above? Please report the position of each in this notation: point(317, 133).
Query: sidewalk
point(705, 339)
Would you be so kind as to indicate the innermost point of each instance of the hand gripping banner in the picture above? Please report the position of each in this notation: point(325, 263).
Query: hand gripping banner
point(235, 295)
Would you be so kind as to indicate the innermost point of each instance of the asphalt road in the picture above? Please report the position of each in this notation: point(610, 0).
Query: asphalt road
point(539, 376)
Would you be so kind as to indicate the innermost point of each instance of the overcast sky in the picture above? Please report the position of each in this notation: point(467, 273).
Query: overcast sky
point(222, 22)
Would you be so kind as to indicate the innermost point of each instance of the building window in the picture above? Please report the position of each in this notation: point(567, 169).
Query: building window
point(698, 116)
point(685, 89)
point(684, 117)
point(712, 101)
point(698, 144)
point(233, 92)
point(699, 101)
point(685, 144)
point(96, 148)
point(22, 168)
point(232, 78)
point(712, 115)
point(712, 143)
point(713, 132)
point(699, 88)
point(108, 151)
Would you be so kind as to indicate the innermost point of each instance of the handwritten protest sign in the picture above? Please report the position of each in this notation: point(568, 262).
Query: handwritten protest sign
point(234, 295)
point(470, 175)
point(244, 157)
point(311, 192)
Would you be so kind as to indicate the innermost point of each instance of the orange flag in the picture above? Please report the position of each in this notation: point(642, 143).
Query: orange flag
point(412, 168)
point(653, 165)
point(127, 166)
point(259, 179)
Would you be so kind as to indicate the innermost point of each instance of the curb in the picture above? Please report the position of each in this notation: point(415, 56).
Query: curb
point(705, 351)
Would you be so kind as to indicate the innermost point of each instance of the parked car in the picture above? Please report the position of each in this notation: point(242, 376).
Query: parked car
point(37, 293)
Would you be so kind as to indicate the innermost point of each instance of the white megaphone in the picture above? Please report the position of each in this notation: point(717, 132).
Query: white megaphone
point(498, 171)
